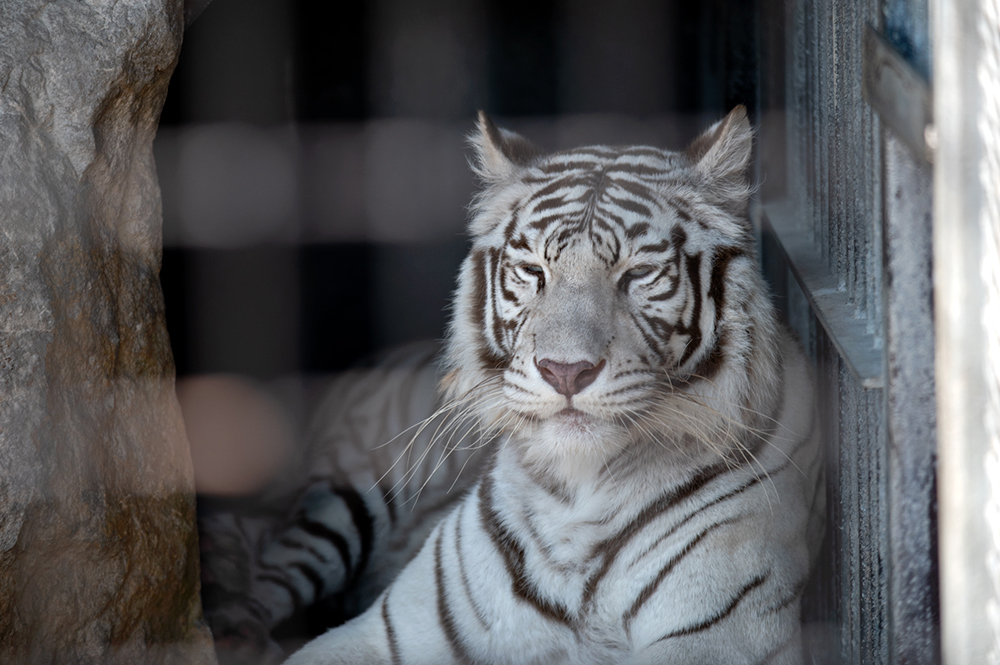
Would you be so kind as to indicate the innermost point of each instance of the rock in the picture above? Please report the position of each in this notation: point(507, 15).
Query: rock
point(98, 547)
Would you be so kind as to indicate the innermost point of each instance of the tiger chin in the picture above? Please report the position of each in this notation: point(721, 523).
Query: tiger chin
point(655, 492)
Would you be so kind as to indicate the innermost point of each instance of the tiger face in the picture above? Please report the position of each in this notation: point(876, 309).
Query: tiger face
point(605, 287)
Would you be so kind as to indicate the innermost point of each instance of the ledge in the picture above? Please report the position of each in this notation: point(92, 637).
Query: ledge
point(831, 305)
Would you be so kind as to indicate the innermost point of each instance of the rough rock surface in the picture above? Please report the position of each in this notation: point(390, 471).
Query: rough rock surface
point(98, 550)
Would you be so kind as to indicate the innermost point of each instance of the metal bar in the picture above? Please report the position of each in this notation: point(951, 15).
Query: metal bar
point(831, 305)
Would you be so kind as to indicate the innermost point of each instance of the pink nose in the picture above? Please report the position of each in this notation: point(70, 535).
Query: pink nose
point(569, 379)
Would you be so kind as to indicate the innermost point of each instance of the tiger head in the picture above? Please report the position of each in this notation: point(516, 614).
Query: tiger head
point(611, 294)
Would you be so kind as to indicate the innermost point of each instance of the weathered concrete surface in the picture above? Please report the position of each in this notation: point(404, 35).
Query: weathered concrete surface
point(98, 552)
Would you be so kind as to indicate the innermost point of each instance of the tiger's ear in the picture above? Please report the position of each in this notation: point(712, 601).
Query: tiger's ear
point(499, 152)
point(722, 152)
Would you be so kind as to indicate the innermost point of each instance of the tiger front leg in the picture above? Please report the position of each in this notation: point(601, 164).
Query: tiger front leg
point(402, 625)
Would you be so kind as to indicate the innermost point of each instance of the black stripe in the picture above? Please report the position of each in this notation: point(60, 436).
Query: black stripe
point(709, 366)
point(508, 232)
point(513, 555)
point(322, 531)
point(757, 479)
point(494, 270)
point(648, 591)
point(630, 205)
point(554, 202)
point(296, 545)
point(694, 328)
point(458, 649)
point(562, 167)
point(610, 547)
point(635, 230)
point(661, 246)
point(520, 242)
point(598, 151)
point(722, 614)
point(390, 632)
point(364, 524)
point(651, 342)
point(640, 190)
point(642, 151)
point(477, 310)
point(461, 567)
point(312, 576)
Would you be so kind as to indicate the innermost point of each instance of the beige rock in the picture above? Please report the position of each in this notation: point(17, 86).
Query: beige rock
point(98, 548)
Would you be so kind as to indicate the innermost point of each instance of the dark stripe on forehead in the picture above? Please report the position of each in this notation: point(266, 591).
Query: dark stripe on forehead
point(565, 182)
point(515, 215)
point(545, 222)
point(678, 236)
point(601, 152)
point(630, 205)
point(644, 151)
point(636, 189)
point(520, 242)
point(661, 246)
point(562, 167)
point(554, 202)
point(683, 210)
point(638, 169)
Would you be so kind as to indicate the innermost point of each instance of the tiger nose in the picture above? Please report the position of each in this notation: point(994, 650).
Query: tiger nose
point(568, 379)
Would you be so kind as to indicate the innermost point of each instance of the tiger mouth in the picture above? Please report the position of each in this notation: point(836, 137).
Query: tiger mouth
point(574, 416)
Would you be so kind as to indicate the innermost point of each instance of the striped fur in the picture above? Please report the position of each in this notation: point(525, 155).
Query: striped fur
point(353, 520)
point(656, 490)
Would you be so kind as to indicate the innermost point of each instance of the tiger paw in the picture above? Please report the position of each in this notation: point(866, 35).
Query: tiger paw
point(241, 637)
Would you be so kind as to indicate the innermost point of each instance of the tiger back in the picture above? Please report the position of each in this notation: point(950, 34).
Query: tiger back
point(656, 492)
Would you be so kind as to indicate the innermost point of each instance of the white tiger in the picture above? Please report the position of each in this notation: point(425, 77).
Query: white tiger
point(656, 495)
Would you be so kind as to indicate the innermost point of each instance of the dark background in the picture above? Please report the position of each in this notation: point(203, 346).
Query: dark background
point(313, 162)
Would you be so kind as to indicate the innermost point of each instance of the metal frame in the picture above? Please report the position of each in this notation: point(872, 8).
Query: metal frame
point(845, 217)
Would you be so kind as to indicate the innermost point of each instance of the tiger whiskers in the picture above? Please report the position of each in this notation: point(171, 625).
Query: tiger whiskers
point(761, 434)
point(458, 426)
point(727, 439)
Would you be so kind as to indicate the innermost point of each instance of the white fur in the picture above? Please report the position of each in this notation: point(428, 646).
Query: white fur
point(666, 498)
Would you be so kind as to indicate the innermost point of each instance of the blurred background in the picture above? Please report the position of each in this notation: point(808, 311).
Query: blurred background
point(313, 161)
point(314, 169)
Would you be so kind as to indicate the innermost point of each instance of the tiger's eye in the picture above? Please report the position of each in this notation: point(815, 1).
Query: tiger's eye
point(640, 271)
point(535, 271)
